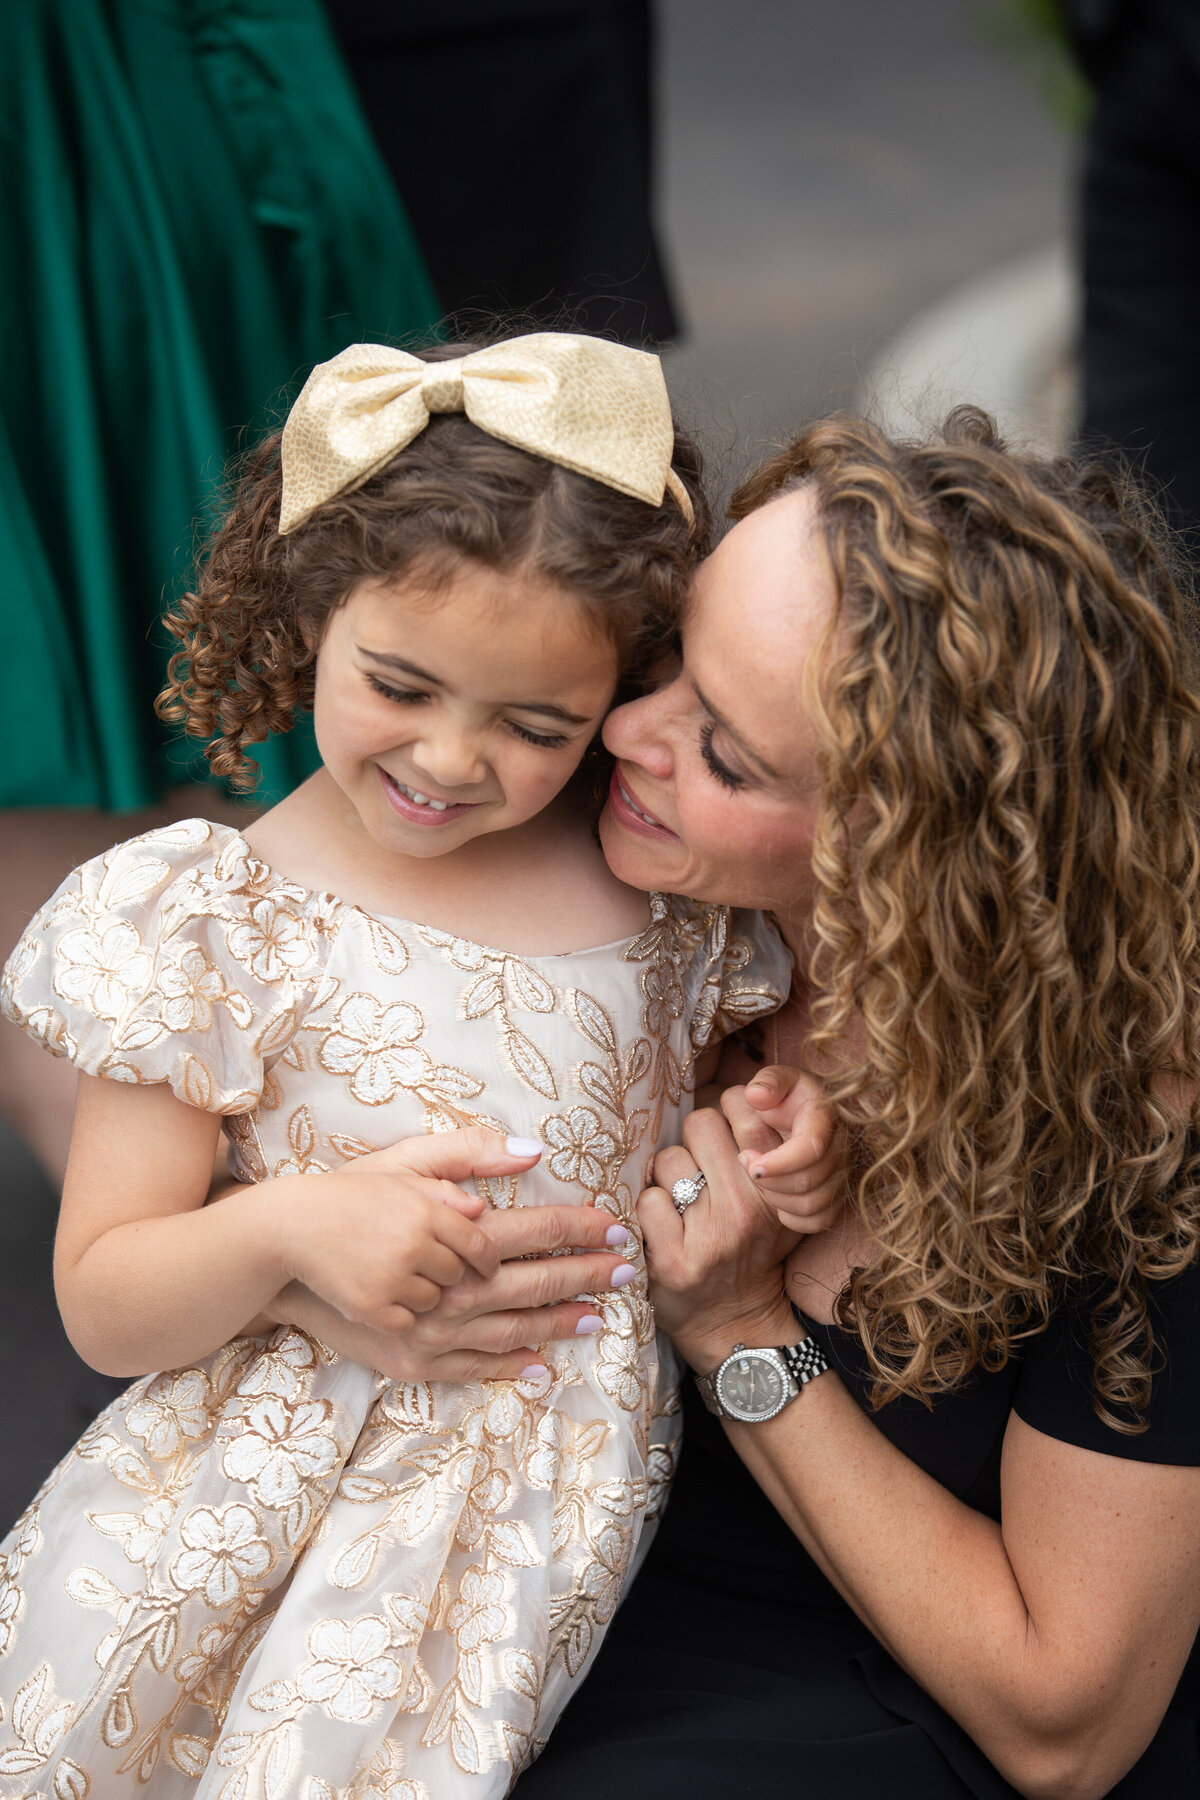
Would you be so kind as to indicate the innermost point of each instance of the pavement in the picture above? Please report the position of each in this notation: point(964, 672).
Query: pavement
point(1004, 340)
point(862, 202)
point(830, 173)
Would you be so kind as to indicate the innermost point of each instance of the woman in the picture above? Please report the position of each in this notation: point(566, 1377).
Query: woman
point(932, 713)
point(959, 756)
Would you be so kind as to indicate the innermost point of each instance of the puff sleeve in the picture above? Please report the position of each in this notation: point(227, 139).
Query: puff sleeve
point(175, 957)
point(736, 968)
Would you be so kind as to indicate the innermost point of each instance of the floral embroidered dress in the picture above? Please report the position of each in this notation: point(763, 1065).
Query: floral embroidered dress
point(277, 1575)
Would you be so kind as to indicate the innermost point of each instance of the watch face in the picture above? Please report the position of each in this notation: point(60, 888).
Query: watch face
point(753, 1386)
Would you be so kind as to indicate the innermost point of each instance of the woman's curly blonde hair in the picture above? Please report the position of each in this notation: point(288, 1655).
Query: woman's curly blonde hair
point(1008, 880)
point(250, 629)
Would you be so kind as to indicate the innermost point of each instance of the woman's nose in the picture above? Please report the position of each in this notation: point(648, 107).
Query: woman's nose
point(639, 732)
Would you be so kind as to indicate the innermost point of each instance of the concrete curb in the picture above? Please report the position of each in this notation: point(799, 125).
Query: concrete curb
point(1004, 340)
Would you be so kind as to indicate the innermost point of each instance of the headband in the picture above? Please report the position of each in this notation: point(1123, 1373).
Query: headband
point(598, 408)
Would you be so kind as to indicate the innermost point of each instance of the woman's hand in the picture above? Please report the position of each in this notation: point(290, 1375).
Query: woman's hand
point(792, 1144)
point(716, 1272)
point(481, 1327)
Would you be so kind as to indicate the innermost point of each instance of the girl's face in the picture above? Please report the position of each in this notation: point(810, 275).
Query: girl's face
point(445, 714)
point(716, 791)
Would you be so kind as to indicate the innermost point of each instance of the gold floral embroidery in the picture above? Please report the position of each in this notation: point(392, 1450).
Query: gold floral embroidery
point(101, 969)
point(223, 1552)
point(302, 1138)
point(374, 1045)
point(504, 984)
point(171, 1409)
point(271, 942)
point(292, 1579)
point(350, 1668)
point(280, 1448)
point(192, 989)
point(580, 1148)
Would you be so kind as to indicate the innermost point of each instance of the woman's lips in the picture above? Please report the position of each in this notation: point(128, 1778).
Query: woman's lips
point(630, 813)
point(415, 814)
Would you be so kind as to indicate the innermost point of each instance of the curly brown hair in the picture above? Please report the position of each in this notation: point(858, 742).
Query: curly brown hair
point(250, 628)
point(1008, 897)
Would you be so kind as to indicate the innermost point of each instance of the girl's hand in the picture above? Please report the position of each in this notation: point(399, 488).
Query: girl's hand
point(716, 1272)
point(792, 1145)
point(380, 1239)
point(486, 1330)
point(480, 1327)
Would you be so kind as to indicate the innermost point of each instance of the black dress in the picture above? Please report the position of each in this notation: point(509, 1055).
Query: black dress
point(735, 1669)
point(521, 135)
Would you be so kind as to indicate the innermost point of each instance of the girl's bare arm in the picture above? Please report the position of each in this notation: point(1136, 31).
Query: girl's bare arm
point(149, 1277)
point(384, 1259)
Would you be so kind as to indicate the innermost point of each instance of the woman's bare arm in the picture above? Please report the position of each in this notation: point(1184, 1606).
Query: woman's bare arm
point(1055, 1639)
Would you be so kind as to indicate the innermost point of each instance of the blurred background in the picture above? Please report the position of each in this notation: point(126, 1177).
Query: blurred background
point(866, 203)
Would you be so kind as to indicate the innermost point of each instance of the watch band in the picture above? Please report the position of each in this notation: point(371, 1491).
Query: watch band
point(805, 1360)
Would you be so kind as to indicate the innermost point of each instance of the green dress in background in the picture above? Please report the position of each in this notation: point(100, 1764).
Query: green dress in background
point(194, 212)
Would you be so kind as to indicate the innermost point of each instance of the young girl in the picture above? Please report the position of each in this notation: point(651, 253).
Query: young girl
point(270, 1573)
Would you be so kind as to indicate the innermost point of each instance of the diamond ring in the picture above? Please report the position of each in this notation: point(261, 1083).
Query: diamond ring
point(687, 1189)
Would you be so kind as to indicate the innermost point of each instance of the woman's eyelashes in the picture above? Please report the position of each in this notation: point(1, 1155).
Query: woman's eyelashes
point(414, 697)
point(728, 778)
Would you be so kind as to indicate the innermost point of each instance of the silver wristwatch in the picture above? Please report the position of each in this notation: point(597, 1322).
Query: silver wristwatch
point(752, 1385)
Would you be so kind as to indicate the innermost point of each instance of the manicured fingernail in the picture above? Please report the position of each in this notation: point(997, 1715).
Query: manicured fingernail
point(589, 1323)
point(523, 1146)
point(622, 1275)
point(534, 1371)
point(616, 1237)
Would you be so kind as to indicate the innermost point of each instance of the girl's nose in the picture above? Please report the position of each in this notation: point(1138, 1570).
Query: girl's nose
point(450, 758)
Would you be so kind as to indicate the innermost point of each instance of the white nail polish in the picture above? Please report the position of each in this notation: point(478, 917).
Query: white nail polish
point(523, 1146)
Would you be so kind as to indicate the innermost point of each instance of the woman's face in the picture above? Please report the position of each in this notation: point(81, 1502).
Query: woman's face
point(716, 791)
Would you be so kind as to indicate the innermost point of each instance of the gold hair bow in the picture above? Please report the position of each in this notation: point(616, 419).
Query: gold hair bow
point(600, 409)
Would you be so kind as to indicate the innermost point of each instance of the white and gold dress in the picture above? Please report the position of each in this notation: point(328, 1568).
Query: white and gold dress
point(276, 1575)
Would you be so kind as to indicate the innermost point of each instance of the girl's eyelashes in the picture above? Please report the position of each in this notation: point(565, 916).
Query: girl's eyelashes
point(413, 696)
point(406, 696)
point(712, 762)
point(554, 741)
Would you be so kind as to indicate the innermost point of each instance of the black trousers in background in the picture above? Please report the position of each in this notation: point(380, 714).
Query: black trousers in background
point(520, 136)
point(1141, 250)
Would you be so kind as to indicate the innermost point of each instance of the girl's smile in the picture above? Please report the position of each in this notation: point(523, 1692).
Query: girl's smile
point(422, 809)
point(454, 709)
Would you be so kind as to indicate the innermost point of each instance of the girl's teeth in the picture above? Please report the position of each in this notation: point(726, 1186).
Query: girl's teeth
point(422, 799)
